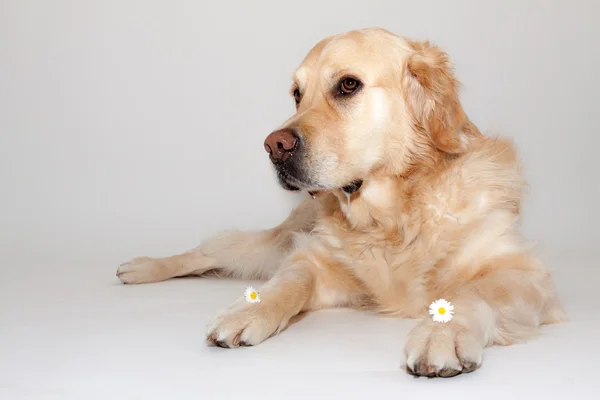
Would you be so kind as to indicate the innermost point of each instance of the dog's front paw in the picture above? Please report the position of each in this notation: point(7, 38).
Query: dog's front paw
point(436, 349)
point(245, 324)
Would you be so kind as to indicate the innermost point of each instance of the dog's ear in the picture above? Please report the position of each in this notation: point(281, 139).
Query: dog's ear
point(431, 92)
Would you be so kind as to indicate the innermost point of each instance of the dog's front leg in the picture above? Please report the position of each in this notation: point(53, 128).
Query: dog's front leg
point(281, 298)
point(504, 303)
point(309, 279)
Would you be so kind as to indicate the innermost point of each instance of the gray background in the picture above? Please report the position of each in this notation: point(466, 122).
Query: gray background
point(136, 127)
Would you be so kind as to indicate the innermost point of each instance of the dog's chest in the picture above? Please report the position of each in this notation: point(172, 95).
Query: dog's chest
point(380, 258)
point(394, 271)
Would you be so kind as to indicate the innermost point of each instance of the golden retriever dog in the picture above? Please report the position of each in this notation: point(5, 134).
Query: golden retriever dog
point(407, 202)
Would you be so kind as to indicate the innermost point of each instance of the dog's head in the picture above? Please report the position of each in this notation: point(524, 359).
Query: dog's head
point(367, 101)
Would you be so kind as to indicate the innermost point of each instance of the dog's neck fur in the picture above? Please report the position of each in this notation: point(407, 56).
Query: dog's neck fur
point(385, 202)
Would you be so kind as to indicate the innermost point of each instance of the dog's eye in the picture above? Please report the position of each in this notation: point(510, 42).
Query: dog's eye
point(348, 85)
point(297, 96)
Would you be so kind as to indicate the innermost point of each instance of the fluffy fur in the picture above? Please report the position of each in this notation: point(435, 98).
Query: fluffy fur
point(436, 216)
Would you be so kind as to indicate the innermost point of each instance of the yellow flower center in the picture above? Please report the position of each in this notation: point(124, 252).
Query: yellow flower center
point(442, 310)
point(253, 295)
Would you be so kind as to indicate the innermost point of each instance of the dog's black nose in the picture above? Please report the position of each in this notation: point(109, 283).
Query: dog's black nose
point(281, 144)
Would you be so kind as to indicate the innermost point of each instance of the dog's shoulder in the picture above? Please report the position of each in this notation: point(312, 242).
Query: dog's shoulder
point(490, 168)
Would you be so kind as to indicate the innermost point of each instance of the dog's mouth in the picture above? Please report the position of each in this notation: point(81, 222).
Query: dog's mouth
point(288, 181)
point(292, 183)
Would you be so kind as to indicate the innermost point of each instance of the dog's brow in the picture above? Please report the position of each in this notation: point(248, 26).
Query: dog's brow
point(300, 78)
point(334, 76)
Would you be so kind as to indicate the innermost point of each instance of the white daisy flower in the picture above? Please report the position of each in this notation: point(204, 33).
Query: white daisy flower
point(252, 295)
point(441, 310)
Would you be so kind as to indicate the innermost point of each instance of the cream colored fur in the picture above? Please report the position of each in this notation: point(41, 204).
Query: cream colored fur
point(435, 217)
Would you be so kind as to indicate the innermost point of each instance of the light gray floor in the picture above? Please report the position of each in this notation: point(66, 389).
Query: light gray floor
point(73, 331)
